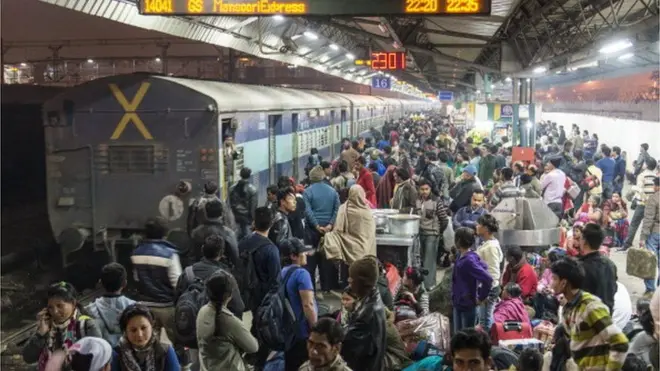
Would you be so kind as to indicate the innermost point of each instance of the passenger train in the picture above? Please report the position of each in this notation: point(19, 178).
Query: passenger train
point(118, 148)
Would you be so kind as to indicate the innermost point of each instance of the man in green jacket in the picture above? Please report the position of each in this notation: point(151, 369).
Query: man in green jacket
point(488, 164)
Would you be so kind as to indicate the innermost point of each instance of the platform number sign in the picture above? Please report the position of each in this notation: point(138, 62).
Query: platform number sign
point(380, 82)
point(446, 96)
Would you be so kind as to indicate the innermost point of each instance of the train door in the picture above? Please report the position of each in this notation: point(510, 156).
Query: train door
point(296, 140)
point(342, 117)
point(331, 136)
point(274, 122)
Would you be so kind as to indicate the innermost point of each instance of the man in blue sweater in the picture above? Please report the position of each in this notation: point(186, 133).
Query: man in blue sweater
point(607, 166)
point(619, 169)
point(322, 203)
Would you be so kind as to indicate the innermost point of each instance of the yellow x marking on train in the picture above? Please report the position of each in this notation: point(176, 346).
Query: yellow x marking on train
point(130, 108)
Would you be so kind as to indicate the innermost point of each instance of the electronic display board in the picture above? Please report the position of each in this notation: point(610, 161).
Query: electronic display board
point(315, 7)
point(389, 61)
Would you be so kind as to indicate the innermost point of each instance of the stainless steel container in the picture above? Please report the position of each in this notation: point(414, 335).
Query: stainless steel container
point(403, 224)
point(380, 217)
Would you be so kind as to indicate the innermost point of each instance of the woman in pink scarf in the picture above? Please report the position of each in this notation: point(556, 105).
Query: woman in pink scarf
point(511, 307)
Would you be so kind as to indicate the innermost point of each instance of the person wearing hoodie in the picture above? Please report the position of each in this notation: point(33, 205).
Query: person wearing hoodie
point(488, 164)
point(108, 308)
point(471, 281)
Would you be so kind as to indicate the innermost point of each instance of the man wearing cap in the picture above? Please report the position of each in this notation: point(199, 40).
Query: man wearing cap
point(300, 291)
point(461, 193)
point(365, 342)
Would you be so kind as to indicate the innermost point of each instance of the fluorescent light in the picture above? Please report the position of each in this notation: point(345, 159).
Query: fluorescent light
point(478, 92)
point(278, 17)
point(350, 56)
point(615, 47)
point(334, 47)
point(539, 70)
point(492, 86)
point(584, 65)
point(508, 79)
point(90, 61)
point(311, 35)
point(23, 64)
point(626, 56)
point(157, 59)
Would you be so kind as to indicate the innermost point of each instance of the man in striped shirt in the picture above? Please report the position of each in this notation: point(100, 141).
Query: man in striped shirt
point(596, 342)
point(643, 189)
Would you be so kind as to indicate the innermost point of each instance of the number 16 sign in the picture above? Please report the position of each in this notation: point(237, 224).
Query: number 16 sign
point(379, 82)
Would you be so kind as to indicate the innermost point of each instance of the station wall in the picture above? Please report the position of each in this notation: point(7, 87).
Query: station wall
point(625, 133)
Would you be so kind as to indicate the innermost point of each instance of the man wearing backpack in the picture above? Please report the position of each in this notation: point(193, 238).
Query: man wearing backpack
point(300, 292)
point(243, 202)
point(191, 295)
point(259, 268)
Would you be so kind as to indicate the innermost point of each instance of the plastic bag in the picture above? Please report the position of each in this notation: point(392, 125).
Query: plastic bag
point(448, 236)
point(434, 328)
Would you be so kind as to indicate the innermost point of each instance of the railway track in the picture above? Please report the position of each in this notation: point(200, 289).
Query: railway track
point(21, 335)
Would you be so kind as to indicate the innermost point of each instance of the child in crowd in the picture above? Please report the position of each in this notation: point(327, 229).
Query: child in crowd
point(108, 308)
point(413, 290)
point(59, 325)
point(348, 299)
point(471, 281)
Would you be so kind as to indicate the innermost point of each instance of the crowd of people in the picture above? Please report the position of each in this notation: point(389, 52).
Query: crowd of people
point(317, 238)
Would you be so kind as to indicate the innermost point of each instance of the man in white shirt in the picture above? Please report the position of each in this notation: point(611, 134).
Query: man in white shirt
point(623, 308)
point(552, 186)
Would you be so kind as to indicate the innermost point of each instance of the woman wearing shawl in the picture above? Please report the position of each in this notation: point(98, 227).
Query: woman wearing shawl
point(385, 189)
point(354, 234)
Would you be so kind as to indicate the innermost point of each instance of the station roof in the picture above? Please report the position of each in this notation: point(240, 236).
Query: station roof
point(519, 38)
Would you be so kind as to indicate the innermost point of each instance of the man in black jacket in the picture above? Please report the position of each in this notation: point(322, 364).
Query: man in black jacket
point(215, 225)
point(461, 193)
point(213, 251)
point(601, 275)
point(365, 343)
point(243, 201)
point(281, 229)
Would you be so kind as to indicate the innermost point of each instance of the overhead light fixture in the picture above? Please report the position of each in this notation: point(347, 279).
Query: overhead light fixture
point(334, 47)
point(396, 45)
point(492, 86)
point(508, 79)
point(350, 56)
point(157, 59)
point(527, 80)
point(311, 35)
point(539, 70)
point(478, 92)
point(616, 46)
point(278, 17)
point(626, 56)
point(584, 65)
point(23, 64)
point(382, 28)
point(90, 61)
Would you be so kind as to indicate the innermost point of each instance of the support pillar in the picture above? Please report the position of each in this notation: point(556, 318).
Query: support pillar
point(163, 57)
point(515, 91)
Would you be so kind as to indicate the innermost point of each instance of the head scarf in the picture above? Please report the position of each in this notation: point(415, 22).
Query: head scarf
point(357, 198)
point(385, 189)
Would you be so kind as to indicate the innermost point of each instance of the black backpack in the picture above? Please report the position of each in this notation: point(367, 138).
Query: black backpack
point(187, 308)
point(275, 321)
point(246, 276)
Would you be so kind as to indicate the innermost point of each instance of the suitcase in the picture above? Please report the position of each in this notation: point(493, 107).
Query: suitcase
point(641, 263)
point(510, 330)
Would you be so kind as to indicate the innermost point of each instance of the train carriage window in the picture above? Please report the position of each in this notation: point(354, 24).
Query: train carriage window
point(324, 137)
point(132, 159)
point(301, 143)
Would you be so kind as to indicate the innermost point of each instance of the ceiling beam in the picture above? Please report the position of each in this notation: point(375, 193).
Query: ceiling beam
point(464, 46)
point(417, 49)
point(461, 35)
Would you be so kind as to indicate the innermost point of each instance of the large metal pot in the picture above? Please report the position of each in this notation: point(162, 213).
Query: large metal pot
point(380, 217)
point(403, 224)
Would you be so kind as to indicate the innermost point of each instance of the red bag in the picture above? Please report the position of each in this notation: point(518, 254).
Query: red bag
point(393, 278)
point(510, 330)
